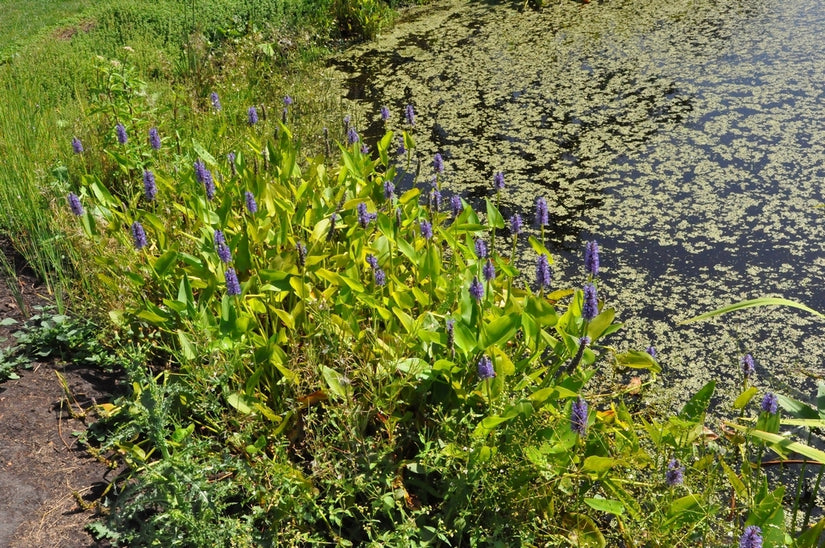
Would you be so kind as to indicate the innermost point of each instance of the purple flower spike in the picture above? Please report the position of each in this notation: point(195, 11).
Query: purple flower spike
point(675, 474)
point(651, 351)
point(498, 181)
point(591, 258)
point(590, 306)
point(409, 114)
point(434, 199)
point(543, 272)
point(380, 277)
point(301, 249)
point(138, 236)
point(489, 270)
point(154, 138)
point(251, 204)
point(74, 204)
point(480, 248)
point(578, 416)
point(389, 190)
point(751, 538)
point(150, 190)
point(122, 138)
point(515, 224)
point(450, 329)
point(221, 248)
point(77, 146)
point(233, 286)
point(385, 114)
point(402, 150)
point(485, 368)
point(770, 404)
point(476, 289)
point(426, 229)
point(287, 101)
point(372, 260)
point(216, 101)
point(542, 216)
point(252, 116)
point(364, 217)
point(748, 366)
point(438, 163)
point(455, 205)
point(352, 136)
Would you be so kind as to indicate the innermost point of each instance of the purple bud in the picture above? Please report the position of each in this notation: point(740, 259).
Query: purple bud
point(438, 163)
point(122, 138)
point(450, 329)
point(204, 176)
point(409, 114)
point(385, 113)
point(401, 149)
point(770, 404)
point(77, 146)
point(748, 365)
point(233, 286)
point(542, 216)
point(485, 368)
point(288, 101)
point(154, 138)
point(675, 474)
point(434, 199)
point(426, 229)
point(389, 189)
point(543, 272)
point(252, 116)
point(398, 217)
point(251, 204)
point(150, 190)
point(138, 235)
point(74, 204)
point(498, 181)
point(365, 149)
point(221, 248)
point(652, 351)
point(302, 254)
point(216, 102)
point(590, 306)
point(455, 205)
point(476, 289)
point(751, 538)
point(232, 167)
point(489, 270)
point(364, 217)
point(515, 224)
point(352, 136)
point(480, 248)
point(379, 277)
point(372, 260)
point(578, 416)
point(591, 258)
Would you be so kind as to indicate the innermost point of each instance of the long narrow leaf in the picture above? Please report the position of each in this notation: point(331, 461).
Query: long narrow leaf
point(784, 443)
point(764, 301)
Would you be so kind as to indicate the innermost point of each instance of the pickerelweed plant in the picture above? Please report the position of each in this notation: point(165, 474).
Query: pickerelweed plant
point(381, 350)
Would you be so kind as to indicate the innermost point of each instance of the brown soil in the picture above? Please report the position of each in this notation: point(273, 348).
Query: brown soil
point(44, 472)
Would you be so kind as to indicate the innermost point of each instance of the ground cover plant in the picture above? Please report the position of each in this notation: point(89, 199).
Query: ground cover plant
point(357, 355)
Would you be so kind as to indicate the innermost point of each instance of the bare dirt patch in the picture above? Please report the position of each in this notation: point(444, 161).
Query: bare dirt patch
point(48, 481)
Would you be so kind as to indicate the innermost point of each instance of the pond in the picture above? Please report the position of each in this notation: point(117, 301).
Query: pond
point(687, 137)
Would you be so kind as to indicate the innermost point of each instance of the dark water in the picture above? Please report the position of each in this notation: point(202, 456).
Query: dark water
point(687, 137)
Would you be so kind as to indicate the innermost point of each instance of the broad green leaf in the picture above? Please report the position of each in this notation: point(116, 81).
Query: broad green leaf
point(494, 218)
point(782, 444)
point(335, 381)
point(605, 505)
point(600, 323)
point(685, 504)
point(487, 425)
point(764, 301)
point(636, 359)
point(735, 482)
point(597, 464)
point(539, 248)
point(500, 330)
point(465, 339)
point(240, 402)
point(203, 153)
point(165, 262)
point(696, 407)
point(582, 531)
point(186, 346)
point(745, 397)
point(810, 538)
